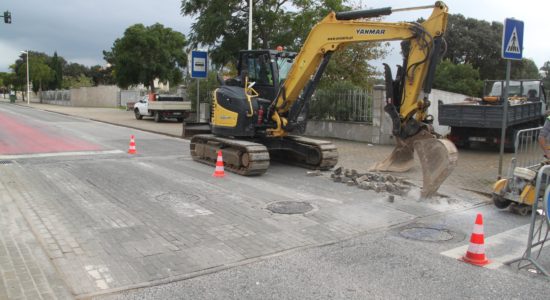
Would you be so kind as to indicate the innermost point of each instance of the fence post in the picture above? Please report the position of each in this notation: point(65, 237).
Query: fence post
point(380, 119)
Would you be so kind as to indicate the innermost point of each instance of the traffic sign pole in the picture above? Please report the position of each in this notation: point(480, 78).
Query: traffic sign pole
point(512, 48)
point(199, 69)
point(506, 103)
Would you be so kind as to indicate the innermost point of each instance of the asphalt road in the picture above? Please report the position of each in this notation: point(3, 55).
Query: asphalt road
point(157, 225)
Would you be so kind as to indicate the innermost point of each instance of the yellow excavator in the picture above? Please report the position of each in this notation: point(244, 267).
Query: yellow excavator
point(255, 114)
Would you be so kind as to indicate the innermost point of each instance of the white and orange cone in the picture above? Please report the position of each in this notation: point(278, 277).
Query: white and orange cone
point(219, 172)
point(132, 148)
point(476, 250)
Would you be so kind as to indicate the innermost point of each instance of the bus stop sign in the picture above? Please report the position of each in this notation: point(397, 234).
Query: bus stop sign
point(199, 64)
point(512, 39)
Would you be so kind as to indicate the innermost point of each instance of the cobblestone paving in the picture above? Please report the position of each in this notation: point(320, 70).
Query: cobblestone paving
point(109, 227)
point(119, 223)
point(25, 270)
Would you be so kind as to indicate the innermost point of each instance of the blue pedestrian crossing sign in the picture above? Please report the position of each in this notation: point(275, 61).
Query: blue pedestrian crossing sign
point(199, 64)
point(512, 39)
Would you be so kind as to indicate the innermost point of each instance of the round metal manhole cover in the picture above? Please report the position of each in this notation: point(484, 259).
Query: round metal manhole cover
point(177, 197)
point(427, 234)
point(289, 207)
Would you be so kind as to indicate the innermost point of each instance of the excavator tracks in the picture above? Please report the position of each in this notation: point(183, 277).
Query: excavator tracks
point(250, 158)
point(241, 157)
point(304, 152)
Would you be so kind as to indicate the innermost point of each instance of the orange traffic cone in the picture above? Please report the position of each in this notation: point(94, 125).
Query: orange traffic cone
point(476, 251)
point(219, 166)
point(132, 148)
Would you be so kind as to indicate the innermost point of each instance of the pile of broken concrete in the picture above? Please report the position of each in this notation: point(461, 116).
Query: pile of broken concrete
point(372, 181)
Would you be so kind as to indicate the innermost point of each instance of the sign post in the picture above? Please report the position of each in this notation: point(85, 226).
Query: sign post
point(199, 69)
point(512, 49)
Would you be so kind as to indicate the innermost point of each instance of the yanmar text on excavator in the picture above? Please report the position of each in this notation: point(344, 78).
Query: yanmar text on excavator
point(255, 115)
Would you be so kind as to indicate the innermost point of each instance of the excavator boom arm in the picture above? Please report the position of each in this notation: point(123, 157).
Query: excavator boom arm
point(337, 30)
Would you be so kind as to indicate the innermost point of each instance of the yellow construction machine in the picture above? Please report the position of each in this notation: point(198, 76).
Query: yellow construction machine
point(255, 114)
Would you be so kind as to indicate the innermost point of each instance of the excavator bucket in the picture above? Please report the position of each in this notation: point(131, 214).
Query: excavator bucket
point(438, 158)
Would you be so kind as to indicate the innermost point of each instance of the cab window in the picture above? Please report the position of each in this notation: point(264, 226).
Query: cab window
point(259, 69)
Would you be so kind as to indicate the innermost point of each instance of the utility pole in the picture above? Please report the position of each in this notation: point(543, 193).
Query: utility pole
point(28, 84)
point(250, 25)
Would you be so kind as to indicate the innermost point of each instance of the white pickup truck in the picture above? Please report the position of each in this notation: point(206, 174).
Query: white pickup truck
point(163, 107)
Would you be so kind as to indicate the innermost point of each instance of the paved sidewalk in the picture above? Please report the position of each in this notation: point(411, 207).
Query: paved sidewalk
point(25, 270)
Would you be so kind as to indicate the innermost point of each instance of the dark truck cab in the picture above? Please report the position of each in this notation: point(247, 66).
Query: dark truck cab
point(480, 121)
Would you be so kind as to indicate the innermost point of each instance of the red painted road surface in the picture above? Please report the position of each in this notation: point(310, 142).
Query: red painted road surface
point(20, 137)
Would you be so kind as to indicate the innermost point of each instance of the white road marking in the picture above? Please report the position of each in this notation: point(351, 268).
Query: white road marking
point(501, 247)
point(55, 154)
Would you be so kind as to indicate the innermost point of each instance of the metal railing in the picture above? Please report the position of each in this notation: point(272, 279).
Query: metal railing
point(540, 224)
point(345, 105)
point(527, 154)
point(57, 95)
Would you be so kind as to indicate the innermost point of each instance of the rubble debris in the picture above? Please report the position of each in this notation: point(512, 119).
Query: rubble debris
point(377, 182)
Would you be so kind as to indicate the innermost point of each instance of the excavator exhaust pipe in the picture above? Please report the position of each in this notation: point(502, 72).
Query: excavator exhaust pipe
point(438, 158)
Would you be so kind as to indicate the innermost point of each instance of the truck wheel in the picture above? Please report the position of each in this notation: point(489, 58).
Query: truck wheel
point(179, 120)
point(137, 114)
point(158, 117)
point(500, 202)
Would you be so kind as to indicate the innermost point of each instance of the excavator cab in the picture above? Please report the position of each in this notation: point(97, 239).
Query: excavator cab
point(242, 102)
point(267, 69)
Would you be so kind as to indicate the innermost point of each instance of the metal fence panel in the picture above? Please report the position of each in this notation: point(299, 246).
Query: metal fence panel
point(345, 105)
point(57, 97)
point(527, 154)
point(540, 225)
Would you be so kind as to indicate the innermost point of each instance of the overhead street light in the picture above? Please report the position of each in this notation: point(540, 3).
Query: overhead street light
point(28, 84)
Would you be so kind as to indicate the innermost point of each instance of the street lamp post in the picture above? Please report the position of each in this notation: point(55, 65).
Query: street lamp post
point(250, 25)
point(28, 84)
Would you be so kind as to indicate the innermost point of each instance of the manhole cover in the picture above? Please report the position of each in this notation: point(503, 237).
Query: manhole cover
point(289, 207)
point(427, 234)
point(171, 197)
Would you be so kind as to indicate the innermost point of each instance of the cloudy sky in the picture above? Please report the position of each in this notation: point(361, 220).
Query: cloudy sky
point(79, 30)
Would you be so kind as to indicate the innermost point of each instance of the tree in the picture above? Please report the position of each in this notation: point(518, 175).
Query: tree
point(102, 75)
point(222, 25)
point(352, 65)
point(478, 42)
point(524, 69)
point(76, 82)
point(39, 71)
point(57, 66)
point(75, 70)
point(458, 78)
point(546, 74)
point(144, 54)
